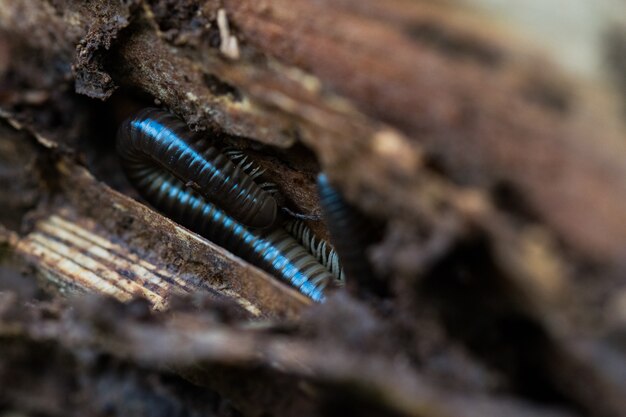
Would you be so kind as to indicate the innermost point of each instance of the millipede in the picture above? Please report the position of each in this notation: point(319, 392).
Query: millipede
point(161, 160)
point(155, 137)
point(351, 233)
point(322, 250)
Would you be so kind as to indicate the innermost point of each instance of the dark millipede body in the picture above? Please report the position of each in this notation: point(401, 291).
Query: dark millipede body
point(274, 251)
point(317, 247)
point(157, 160)
point(240, 158)
point(250, 167)
point(155, 140)
point(351, 233)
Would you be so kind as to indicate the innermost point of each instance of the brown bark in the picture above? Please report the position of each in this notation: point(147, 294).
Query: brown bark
point(501, 189)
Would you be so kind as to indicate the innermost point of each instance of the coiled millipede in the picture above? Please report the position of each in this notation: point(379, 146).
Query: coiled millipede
point(155, 137)
point(322, 250)
point(161, 161)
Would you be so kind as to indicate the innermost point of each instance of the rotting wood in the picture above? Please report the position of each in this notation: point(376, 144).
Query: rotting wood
point(430, 98)
point(81, 245)
point(194, 346)
point(458, 141)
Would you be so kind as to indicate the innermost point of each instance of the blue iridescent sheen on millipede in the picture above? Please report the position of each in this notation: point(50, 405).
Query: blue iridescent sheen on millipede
point(155, 137)
point(350, 231)
point(158, 163)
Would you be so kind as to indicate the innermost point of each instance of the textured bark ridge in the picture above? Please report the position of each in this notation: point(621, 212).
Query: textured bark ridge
point(499, 182)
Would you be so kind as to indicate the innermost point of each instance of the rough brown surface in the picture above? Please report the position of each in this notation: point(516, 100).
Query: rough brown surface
point(500, 186)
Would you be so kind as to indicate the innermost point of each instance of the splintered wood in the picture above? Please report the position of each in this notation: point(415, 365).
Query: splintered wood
point(497, 179)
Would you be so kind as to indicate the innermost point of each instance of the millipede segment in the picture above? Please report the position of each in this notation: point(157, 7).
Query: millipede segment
point(319, 248)
point(351, 233)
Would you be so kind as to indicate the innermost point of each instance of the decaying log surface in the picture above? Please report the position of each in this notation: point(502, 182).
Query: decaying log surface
point(499, 180)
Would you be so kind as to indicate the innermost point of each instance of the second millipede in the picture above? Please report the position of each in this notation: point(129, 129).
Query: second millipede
point(271, 249)
point(351, 233)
